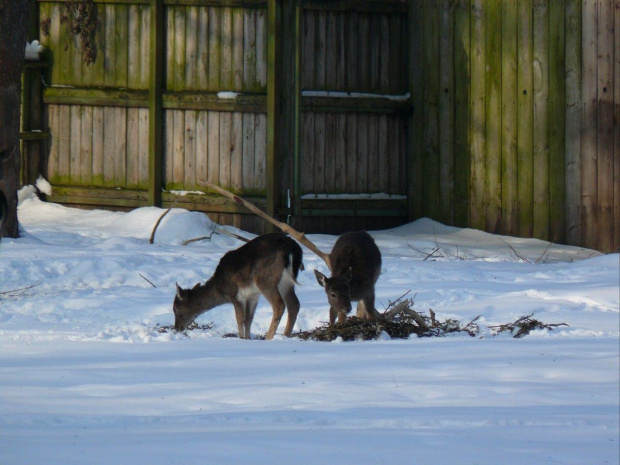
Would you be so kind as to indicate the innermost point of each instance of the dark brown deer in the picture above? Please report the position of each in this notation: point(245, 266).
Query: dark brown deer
point(266, 265)
point(355, 266)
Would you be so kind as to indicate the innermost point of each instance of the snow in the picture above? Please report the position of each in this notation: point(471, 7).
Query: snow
point(86, 377)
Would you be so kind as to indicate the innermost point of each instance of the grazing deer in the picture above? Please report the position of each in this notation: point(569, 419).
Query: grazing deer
point(266, 265)
point(355, 266)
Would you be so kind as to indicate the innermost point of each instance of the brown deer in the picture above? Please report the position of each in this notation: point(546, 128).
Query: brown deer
point(355, 264)
point(266, 265)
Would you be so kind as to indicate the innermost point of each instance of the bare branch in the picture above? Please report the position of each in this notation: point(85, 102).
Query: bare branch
point(298, 236)
point(157, 225)
point(20, 291)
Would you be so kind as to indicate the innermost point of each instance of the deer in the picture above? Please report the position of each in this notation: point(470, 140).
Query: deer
point(267, 265)
point(354, 263)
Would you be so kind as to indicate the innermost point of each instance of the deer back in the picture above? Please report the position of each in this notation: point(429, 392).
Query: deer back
point(357, 251)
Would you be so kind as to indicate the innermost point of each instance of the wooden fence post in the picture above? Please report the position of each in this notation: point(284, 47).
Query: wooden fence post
point(155, 101)
point(273, 119)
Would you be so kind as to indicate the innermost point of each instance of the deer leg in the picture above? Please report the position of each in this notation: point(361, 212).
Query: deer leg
point(240, 316)
point(366, 306)
point(250, 308)
point(292, 307)
point(342, 317)
point(278, 310)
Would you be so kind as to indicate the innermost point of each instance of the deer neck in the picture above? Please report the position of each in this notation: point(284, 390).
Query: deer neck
point(208, 295)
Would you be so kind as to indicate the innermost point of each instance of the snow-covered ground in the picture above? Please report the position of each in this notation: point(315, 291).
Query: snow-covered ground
point(87, 378)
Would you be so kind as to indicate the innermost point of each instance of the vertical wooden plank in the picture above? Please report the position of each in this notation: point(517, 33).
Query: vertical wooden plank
point(573, 121)
point(395, 155)
point(397, 82)
point(226, 51)
point(589, 121)
point(143, 149)
point(462, 167)
point(52, 162)
point(121, 38)
point(109, 146)
point(62, 58)
point(383, 154)
point(191, 42)
point(363, 81)
point(493, 112)
point(330, 153)
point(225, 148)
point(373, 153)
point(169, 149)
point(341, 55)
point(247, 161)
point(525, 165)
point(213, 165)
point(509, 193)
point(86, 146)
point(557, 121)
point(446, 112)
point(351, 151)
point(385, 54)
point(540, 73)
point(308, 41)
point(145, 45)
point(170, 48)
point(75, 145)
point(319, 153)
point(320, 53)
point(237, 49)
point(214, 49)
point(373, 43)
point(178, 149)
point(430, 167)
point(363, 153)
point(190, 164)
point(202, 65)
point(120, 152)
point(134, 43)
point(98, 146)
point(307, 153)
point(260, 151)
point(202, 141)
point(156, 118)
point(261, 50)
point(616, 232)
point(179, 74)
point(341, 153)
point(64, 144)
point(605, 167)
point(331, 49)
point(236, 152)
point(133, 157)
point(416, 71)
point(352, 52)
point(274, 61)
point(249, 53)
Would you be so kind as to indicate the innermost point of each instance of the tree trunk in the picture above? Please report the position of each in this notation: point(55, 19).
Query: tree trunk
point(13, 27)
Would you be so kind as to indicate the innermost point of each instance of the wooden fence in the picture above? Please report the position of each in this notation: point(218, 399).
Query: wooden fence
point(501, 115)
point(518, 127)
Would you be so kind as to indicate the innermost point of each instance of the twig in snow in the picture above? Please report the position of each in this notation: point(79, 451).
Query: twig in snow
point(147, 280)
point(20, 291)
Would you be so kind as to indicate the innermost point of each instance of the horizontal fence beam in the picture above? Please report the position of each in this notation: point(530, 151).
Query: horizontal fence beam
point(214, 3)
point(246, 103)
point(385, 6)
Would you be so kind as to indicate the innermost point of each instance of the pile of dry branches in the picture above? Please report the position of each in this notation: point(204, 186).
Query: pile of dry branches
point(399, 320)
point(523, 326)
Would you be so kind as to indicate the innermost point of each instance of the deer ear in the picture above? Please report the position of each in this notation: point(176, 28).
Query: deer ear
point(179, 291)
point(349, 275)
point(320, 277)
